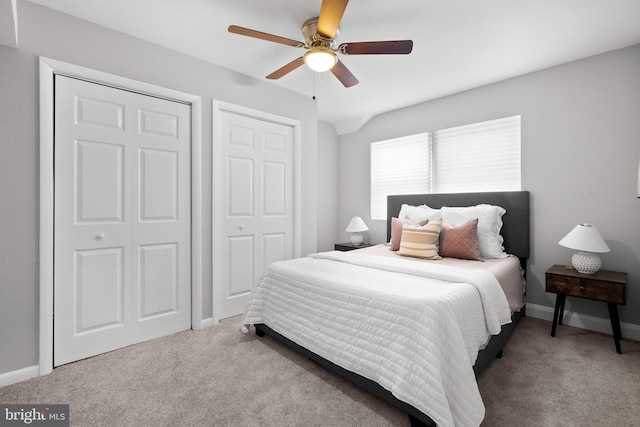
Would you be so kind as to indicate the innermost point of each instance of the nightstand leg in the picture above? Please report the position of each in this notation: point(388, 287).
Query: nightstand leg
point(615, 325)
point(559, 305)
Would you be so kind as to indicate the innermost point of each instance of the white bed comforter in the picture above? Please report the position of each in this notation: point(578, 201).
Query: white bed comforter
point(413, 328)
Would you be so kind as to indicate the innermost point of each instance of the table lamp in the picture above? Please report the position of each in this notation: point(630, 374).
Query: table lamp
point(356, 226)
point(586, 239)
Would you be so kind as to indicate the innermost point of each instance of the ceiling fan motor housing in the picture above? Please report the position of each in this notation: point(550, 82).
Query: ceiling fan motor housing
point(313, 39)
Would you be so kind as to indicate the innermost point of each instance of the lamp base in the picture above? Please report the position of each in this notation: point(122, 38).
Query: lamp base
point(586, 262)
point(356, 239)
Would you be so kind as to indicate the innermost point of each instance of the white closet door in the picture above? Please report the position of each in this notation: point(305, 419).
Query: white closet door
point(256, 157)
point(122, 218)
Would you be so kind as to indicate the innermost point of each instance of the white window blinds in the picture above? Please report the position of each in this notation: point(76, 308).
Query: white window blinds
point(398, 166)
point(472, 158)
point(478, 157)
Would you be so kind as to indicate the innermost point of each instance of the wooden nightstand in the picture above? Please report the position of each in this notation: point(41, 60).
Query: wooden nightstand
point(605, 286)
point(348, 246)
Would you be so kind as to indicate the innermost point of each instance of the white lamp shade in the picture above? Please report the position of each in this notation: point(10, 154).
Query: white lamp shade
point(585, 238)
point(320, 59)
point(356, 225)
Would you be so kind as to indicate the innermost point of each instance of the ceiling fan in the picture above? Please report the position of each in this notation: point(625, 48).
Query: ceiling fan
point(320, 41)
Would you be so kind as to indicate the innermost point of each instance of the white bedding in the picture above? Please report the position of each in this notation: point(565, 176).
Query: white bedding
point(413, 328)
point(506, 270)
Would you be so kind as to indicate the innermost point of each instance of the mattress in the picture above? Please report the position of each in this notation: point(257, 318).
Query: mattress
point(413, 327)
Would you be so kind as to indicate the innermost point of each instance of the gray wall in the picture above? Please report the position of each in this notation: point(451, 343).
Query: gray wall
point(328, 179)
point(580, 153)
point(58, 36)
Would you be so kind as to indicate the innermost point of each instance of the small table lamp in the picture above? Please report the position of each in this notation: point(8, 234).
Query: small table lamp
point(356, 226)
point(586, 239)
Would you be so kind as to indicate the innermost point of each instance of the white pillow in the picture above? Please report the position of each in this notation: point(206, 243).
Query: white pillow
point(489, 226)
point(419, 214)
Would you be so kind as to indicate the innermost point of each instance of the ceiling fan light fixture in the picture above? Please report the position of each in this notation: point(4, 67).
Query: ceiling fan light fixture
point(320, 59)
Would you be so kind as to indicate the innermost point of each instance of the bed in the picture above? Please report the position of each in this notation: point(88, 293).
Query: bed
point(365, 318)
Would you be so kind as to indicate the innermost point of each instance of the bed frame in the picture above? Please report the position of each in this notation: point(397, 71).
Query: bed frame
point(515, 231)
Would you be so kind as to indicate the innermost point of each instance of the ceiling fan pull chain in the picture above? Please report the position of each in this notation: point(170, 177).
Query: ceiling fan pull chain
point(313, 85)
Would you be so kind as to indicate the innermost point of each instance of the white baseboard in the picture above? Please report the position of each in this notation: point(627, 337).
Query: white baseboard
point(23, 374)
point(584, 321)
point(204, 323)
point(207, 323)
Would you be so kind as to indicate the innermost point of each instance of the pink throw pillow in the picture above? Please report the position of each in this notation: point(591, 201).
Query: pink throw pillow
point(460, 241)
point(396, 233)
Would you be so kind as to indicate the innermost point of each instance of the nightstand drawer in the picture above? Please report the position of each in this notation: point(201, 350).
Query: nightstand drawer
point(598, 290)
point(562, 284)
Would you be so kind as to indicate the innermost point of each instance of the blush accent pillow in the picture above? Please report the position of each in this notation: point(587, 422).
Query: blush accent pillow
point(396, 230)
point(489, 226)
point(421, 242)
point(396, 233)
point(460, 241)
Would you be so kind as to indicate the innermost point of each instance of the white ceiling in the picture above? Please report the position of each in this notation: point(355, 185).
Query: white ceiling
point(458, 44)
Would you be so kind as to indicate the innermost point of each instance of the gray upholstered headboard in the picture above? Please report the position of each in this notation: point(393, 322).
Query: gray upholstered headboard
point(515, 228)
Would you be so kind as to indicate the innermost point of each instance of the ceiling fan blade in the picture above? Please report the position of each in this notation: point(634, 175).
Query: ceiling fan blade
point(391, 47)
point(344, 75)
point(286, 69)
point(331, 13)
point(264, 36)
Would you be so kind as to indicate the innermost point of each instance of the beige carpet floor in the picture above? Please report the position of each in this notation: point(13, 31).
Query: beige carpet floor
point(221, 377)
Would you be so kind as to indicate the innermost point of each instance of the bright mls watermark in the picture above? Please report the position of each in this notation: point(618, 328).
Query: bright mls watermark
point(34, 415)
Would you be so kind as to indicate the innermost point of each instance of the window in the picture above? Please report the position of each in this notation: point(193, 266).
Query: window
point(398, 166)
point(477, 157)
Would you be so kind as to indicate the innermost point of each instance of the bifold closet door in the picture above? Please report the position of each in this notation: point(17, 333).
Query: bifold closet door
point(122, 269)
